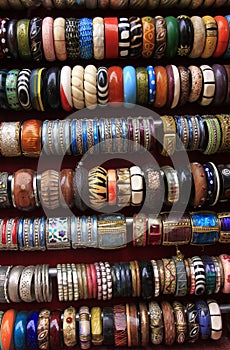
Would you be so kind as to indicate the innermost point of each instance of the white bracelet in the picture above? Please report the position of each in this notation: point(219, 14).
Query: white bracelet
point(77, 87)
point(176, 76)
point(208, 91)
point(98, 38)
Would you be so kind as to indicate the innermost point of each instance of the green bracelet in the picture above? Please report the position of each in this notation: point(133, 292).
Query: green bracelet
point(23, 39)
point(142, 85)
point(172, 36)
point(214, 135)
point(11, 89)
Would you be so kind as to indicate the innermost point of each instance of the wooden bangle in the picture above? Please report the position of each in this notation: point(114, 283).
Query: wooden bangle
point(132, 325)
point(169, 323)
point(200, 184)
point(120, 326)
point(59, 38)
point(148, 36)
point(22, 190)
point(43, 329)
point(66, 188)
point(31, 138)
point(160, 37)
point(161, 86)
point(199, 37)
point(196, 83)
point(96, 326)
point(7, 329)
point(211, 36)
point(180, 322)
point(50, 189)
point(223, 36)
point(144, 324)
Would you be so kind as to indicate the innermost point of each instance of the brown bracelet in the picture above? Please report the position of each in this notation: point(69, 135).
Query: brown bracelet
point(22, 190)
point(50, 189)
point(156, 323)
point(200, 184)
point(120, 326)
point(31, 138)
point(169, 323)
point(66, 188)
point(43, 329)
point(181, 325)
point(132, 325)
point(169, 276)
point(144, 324)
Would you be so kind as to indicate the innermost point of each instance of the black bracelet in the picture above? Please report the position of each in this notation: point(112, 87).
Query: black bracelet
point(53, 87)
point(108, 326)
point(192, 322)
point(11, 38)
point(35, 35)
point(128, 279)
point(147, 280)
point(186, 35)
point(224, 171)
point(72, 38)
point(3, 98)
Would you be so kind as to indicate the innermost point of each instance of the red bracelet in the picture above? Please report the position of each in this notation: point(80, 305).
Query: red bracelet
point(55, 330)
point(115, 79)
point(111, 37)
point(4, 232)
point(14, 231)
point(223, 36)
point(89, 281)
point(94, 280)
point(112, 186)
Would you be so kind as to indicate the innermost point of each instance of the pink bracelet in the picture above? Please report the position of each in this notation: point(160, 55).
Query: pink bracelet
point(48, 39)
point(225, 260)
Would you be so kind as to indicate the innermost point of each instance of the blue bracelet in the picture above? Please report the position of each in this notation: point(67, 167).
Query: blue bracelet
point(102, 135)
point(202, 133)
point(31, 233)
point(151, 84)
point(124, 135)
point(42, 232)
point(84, 236)
point(95, 136)
point(20, 326)
point(113, 130)
point(130, 85)
point(94, 231)
point(31, 331)
point(179, 132)
point(85, 28)
point(210, 274)
point(204, 319)
point(20, 233)
point(84, 136)
point(190, 132)
point(199, 222)
point(227, 52)
point(74, 138)
point(45, 147)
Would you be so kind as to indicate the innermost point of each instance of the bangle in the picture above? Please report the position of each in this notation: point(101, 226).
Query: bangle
point(218, 272)
point(180, 322)
point(225, 261)
point(13, 283)
point(172, 185)
point(10, 139)
point(97, 186)
point(26, 288)
point(210, 274)
point(37, 91)
point(35, 37)
point(216, 319)
point(102, 86)
point(205, 228)
point(23, 89)
point(31, 330)
point(69, 327)
point(49, 189)
point(208, 90)
point(169, 138)
point(198, 38)
point(111, 231)
point(57, 233)
point(156, 323)
point(11, 89)
point(11, 38)
point(169, 323)
point(120, 326)
point(90, 86)
point(161, 86)
point(185, 85)
point(59, 26)
point(136, 36)
point(48, 39)
point(224, 227)
point(72, 38)
point(176, 230)
point(172, 36)
point(214, 135)
point(23, 39)
point(78, 87)
point(196, 83)
point(192, 322)
point(200, 184)
point(43, 329)
point(98, 38)
point(186, 35)
point(216, 180)
point(55, 330)
point(115, 80)
point(129, 81)
point(111, 37)
point(199, 275)
point(132, 325)
point(19, 332)
point(142, 86)
point(143, 324)
point(22, 189)
point(7, 329)
point(222, 34)
point(66, 188)
point(153, 189)
point(53, 87)
point(204, 319)
point(211, 30)
point(169, 276)
point(225, 132)
point(139, 230)
point(224, 171)
point(108, 326)
point(160, 37)
point(123, 37)
point(31, 138)
point(136, 179)
point(146, 279)
point(227, 51)
point(96, 326)
point(221, 84)
point(148, 28)
point(65, 89)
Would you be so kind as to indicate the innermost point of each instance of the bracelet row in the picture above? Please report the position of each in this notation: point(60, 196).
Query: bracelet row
point(132, 325)
point(171, 86)
point(104, 280)
point(194, 184)
point(114, 231)
point(112, 37)
point(113, 4)
point(207, 133)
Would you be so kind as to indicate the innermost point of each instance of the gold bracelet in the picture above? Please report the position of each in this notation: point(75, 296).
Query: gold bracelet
point(43, 329)
point(156, 323)
point(96, 326)
point(169, 137)
point(69, 327)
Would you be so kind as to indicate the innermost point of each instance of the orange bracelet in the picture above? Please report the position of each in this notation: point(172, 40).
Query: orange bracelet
point(148, 36)
point(112, 185)
point(115, 79)
point(31, 138)
point(161, 86)
point(7, 329)
point(111, 37)
point(223, 36)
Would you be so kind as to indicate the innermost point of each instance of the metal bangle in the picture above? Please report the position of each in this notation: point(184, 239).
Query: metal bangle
point(26, 285)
